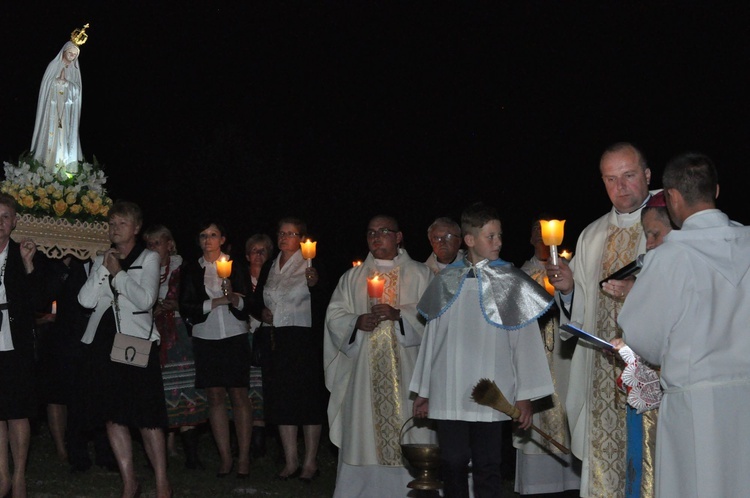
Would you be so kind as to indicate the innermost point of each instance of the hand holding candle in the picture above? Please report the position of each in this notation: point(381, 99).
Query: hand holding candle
point(552, 235)
point(308, 251)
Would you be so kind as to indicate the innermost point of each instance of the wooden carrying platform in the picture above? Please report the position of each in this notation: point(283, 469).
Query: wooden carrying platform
point(58, 238)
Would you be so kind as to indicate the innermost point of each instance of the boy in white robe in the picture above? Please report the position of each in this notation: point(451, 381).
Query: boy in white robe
point(482, 323)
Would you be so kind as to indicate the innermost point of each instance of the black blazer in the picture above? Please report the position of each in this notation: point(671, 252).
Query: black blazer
point(25, 294)
point(193, 293)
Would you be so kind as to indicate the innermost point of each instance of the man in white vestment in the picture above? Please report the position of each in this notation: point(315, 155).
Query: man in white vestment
point(370, 347)
point(596, 410)
point(444, 235)
point(482, 324)
point(689, 312)
point(540, 466)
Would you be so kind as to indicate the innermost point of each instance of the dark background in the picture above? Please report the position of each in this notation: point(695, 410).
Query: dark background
point(336, 111)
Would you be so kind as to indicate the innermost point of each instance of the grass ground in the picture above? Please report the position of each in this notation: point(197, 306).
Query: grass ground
point(47, 477)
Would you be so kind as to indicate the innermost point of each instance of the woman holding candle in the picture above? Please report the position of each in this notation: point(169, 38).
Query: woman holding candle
point(294, 301)
point(215, 309)
point(122, 288)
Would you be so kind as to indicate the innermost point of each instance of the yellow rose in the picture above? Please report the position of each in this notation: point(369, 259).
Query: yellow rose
point(105, 211)
point(71, 198)
point(60, 206)
point(40, 192)
point(51, 189)
point(56, 194)
point(27, 201)
point(94, 207)
point(45, 203)
point(75, 209)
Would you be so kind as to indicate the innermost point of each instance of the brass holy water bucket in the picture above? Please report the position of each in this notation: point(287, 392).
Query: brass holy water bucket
point(426, 459)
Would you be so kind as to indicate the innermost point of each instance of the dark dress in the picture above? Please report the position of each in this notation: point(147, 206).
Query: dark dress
point(25, 295)
point(125, 394)
point(295, 386)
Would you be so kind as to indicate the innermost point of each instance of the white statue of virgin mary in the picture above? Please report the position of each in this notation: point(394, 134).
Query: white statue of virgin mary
point(58, 112)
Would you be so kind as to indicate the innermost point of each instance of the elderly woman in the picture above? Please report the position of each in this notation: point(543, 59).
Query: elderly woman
point(258, 249)
point(122, 288)
point(220, 344)
point(187, 406)
point(294, 302)
point(21, 286)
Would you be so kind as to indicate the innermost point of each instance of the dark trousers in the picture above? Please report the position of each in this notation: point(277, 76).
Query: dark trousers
point(478, 442)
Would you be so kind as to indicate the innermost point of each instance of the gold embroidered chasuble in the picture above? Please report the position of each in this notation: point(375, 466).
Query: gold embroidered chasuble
point(384, 374)
point(608, 441)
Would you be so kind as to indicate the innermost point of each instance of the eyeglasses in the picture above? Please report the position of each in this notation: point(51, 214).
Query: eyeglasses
point(371, 234)
point(447, 238)
point(258, 252)
point(288, 234)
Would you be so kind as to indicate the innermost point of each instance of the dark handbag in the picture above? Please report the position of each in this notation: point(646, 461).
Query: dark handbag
point(263, 346)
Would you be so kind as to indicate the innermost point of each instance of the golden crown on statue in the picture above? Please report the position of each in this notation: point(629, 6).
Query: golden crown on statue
point(79, 36)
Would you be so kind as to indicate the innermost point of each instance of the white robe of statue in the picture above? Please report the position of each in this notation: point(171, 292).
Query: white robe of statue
point(58, 113)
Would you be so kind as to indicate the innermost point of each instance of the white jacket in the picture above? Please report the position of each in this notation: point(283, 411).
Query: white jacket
point(138, 289)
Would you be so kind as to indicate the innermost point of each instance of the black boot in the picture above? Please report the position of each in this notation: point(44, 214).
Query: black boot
point(258, 441)
point(190, 449)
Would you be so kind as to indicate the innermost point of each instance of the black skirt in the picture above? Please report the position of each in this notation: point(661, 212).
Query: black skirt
point(296, 385)
point(125, 394)
point(17, 395)
point(223, 362)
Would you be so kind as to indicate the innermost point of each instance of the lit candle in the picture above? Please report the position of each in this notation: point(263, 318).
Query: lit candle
point(375, 286)
point(550, 288)
point(223, 267)
point(356, 263)
point(54, 307)
point(566, 254)
point(308, 250)
point(552, 235)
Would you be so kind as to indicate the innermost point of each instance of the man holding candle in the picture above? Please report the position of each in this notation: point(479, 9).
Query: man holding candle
point(444, 235)
point(596, 411)
point(371, 345)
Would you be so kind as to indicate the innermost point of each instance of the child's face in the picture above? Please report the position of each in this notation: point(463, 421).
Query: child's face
point(485, 243)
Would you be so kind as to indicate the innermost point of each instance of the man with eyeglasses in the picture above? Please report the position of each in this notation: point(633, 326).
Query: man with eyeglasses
point(371, 345)
point(444, 235)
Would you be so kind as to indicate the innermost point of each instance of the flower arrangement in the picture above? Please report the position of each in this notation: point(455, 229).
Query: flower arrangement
point(73, 193)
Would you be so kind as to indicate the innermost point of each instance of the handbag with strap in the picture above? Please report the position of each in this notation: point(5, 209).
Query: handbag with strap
point(128, 349)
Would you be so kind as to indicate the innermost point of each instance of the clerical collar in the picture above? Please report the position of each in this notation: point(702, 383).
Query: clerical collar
point(648, 197)
point(383, 263)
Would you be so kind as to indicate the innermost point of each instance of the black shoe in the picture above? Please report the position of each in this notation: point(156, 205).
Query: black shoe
point(294, 474)
point(308, 480)
point(222, 475)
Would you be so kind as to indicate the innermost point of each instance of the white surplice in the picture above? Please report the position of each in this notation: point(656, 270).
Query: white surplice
point(689, 312)
point(348, 376)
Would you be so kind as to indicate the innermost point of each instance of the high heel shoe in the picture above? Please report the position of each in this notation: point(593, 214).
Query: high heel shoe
point(221, 475)
point(308, 480)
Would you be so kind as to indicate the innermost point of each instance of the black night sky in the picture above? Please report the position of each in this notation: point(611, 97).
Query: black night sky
point(336, 111)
